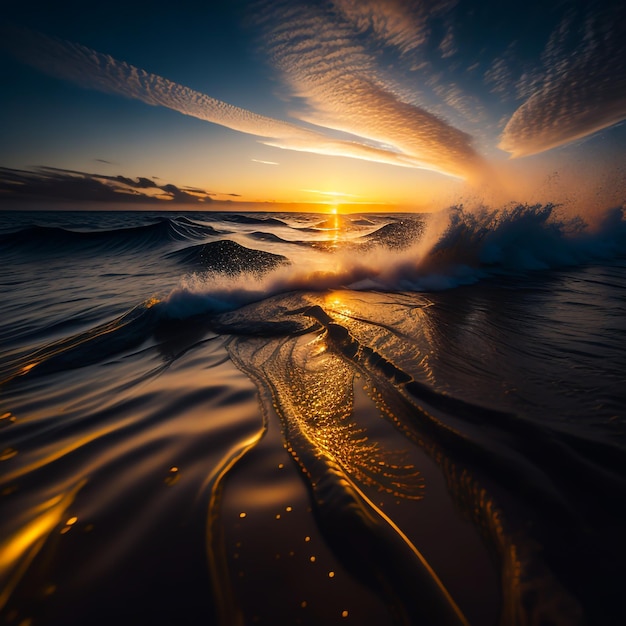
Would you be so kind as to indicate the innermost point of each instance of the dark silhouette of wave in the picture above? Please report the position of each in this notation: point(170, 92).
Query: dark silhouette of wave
point(42, 239)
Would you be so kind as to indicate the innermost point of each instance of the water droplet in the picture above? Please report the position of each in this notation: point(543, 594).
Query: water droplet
point(307, 539)
point(288, 509)
point(344, 613)
point(312, 559)
point(331, 574)
point(242, 515)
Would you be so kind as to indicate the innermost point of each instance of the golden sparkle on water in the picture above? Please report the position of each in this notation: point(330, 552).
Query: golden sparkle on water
point(68, 525)
point(173, 476)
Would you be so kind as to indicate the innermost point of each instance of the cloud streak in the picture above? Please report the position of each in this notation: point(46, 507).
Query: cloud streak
point(326, 63)
point(583, 88)
point(93, 70)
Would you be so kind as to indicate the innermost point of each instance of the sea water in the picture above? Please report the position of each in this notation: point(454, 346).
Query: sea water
point(231, 417)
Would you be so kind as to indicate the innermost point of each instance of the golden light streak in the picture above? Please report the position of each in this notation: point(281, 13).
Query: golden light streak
point(18, 551)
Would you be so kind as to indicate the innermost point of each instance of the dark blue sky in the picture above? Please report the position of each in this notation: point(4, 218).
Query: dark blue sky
point(409, 102)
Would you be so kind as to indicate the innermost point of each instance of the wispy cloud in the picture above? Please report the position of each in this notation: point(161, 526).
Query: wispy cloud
point(324, 59)
point(583, 88)
point(94, 70)
point(498, 77)
point(265, 162)
point(447, 46)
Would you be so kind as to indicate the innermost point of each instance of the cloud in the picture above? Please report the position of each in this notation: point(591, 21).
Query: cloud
point(326, 63)
point(265, 162)
point(52, 183)
point(140, 183)
point(583, 88)
point(447, 46)
point(90, 69)
point(403, 24)
point(467, 105)
point(498, 77)
point(396, 23)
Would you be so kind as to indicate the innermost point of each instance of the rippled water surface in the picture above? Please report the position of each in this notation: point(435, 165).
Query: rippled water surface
point(309, 419)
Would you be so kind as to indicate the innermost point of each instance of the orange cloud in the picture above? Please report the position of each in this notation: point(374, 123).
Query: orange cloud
point(325, 65)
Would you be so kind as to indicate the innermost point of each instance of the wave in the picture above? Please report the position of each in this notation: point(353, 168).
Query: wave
point(48, 239)
point(84, 348)
point(228, 257)
point(363, 221)
point(456, 248)
point(239, 218)
point(271, 237)
point(396, 235)
point(471, 245)
point(323, 245)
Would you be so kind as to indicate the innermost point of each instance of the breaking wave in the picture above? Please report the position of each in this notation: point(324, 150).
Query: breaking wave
point(455, 248)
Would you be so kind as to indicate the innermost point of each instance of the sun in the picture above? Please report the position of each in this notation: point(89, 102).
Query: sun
point(333, 210)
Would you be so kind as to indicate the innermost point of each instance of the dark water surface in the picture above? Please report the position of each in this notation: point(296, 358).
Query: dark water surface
point(311, 419)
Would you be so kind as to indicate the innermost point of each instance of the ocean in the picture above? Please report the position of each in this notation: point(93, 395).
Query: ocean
point(297, 418)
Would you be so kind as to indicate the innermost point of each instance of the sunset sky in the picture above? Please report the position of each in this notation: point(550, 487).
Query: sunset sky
point(415, 103)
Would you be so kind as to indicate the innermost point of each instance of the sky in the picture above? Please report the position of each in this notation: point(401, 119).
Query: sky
point(416, 104)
